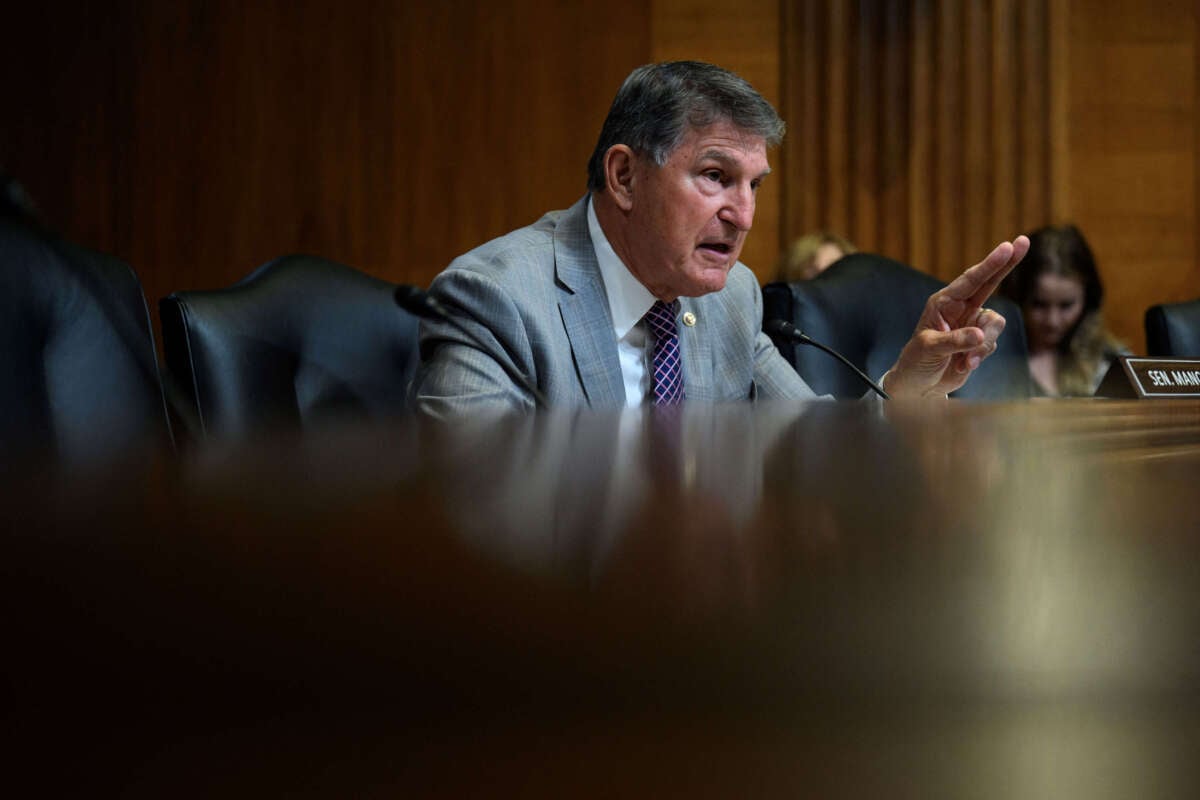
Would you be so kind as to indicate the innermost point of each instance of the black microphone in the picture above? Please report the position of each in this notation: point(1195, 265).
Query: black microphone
point(781, 327)
point(420, 303)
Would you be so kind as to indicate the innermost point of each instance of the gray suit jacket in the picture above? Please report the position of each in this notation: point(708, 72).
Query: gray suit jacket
point(536, 301)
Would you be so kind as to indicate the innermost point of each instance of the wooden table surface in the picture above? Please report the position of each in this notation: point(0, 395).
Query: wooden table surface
point(966, 600)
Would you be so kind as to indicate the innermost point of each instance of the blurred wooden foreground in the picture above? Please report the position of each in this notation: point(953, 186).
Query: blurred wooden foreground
point(948, 600)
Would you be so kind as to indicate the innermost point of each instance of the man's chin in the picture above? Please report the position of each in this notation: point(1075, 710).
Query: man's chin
point(708, 281)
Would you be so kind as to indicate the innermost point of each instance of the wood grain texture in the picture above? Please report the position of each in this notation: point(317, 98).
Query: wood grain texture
point(964, 123)
point(199, 139)
point(1132, 137)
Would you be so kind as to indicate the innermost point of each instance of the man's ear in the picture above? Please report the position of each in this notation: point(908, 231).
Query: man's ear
point(619, 164)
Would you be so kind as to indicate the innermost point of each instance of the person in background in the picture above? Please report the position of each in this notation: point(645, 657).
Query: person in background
point(1058, 289)
point(811, 254)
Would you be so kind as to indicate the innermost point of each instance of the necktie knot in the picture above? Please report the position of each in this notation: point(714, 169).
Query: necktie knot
point(661, 319)
point(668, 375)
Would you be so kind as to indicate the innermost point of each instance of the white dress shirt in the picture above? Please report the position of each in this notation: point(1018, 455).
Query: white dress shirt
point(628, 301)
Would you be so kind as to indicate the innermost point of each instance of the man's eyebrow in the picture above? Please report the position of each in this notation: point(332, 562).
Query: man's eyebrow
point(717, 155)
point(724, 158)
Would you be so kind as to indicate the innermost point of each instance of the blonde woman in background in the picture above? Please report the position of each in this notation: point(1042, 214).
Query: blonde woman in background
point(810, 255)
point(1058, 289)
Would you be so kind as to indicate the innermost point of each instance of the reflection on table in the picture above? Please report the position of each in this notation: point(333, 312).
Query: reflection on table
point(823, 598)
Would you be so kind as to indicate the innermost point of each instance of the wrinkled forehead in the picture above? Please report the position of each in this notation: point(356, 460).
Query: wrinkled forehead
point(723, 141)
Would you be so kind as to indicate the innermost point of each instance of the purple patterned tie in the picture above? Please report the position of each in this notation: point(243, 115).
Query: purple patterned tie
point(668, 377)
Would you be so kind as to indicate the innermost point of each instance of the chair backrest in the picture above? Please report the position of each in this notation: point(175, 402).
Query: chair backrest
point(1173, 329)
point(300, 341)
point(866, 307)
point(80, 381)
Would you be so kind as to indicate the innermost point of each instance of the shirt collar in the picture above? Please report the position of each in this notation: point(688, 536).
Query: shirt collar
point(628, 299)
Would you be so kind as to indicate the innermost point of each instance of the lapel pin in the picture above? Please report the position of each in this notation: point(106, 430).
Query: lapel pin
point(689, 319)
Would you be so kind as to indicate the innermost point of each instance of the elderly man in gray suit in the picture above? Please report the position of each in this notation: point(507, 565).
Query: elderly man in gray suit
point(635, 294)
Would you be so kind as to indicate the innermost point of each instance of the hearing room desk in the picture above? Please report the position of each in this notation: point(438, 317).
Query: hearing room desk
point(823, 599)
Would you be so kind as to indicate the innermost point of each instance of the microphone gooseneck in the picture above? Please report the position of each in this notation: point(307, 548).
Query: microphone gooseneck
point(781, 327)
point(420, 303)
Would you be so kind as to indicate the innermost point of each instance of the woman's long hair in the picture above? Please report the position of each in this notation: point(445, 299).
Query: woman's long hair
point(1062, 250)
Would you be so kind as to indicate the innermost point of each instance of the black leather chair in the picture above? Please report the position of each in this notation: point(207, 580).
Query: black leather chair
point(1173, 330)
point(866, 307)
point(80, 385)
point(299, 342)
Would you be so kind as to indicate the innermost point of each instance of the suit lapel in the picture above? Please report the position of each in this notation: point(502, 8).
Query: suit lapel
point(697, 351)
point(583, 303)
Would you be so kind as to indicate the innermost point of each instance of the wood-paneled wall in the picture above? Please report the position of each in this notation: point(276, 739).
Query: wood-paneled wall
point(928, 131)
point(1131, 171)
point(201, 138)
point(918, 123)
point(198, 139)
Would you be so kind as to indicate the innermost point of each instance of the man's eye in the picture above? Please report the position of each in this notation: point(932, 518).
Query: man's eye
point(713, 175)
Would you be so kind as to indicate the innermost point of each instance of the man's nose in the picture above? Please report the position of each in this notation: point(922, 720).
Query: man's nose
point(739, 207)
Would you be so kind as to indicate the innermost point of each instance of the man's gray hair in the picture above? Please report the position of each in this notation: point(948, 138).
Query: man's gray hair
point(659, 103)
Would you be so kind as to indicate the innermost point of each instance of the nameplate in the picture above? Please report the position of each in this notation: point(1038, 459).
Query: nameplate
point(1131, 376)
